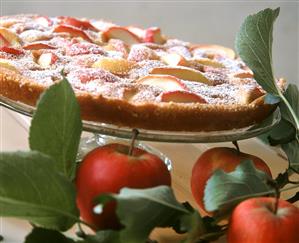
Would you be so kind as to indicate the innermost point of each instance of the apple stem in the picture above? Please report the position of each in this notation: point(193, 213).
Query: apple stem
point(236, 145)
point(274, 184)
point(80, 233)
point(134, 136)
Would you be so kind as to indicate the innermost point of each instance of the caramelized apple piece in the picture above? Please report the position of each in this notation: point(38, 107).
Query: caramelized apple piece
point(209, 62)
point(137, 31)
point(153, 35)
point(38, 46)
point(8, 65)
point(73, 31)
point(45, 60)
point(3, 41)
point(245, 74)
point(116, 66)
point(182, 97)
point(121, 33)
point(165, 82)
point(174, 59)
point(81, 24)
point(216, 49)
point(11, 50)
point(139, 53)
point(249, 94)
point(117, 45)
point(182, 73)
point(44, 21)
point(9, 38)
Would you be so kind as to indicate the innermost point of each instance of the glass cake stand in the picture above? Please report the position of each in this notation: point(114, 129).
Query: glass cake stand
point(105, 133)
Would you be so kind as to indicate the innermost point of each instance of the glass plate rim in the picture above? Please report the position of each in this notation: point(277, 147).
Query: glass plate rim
point(157, 135)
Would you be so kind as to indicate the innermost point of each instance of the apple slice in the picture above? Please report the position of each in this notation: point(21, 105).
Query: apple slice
point(3, 41)
point(180, 96)
point(216, 49)
point(117, 45)
point(45, 60)
point(174, 59)
point(11, 50)
point(9, 38)
point(248, 95)
point(153, 35)
point(137, 31)
point(44, 21)
point(182, 73)
point(121, 33)
point(118, 66)
point(139, 53)
point(81, 24)
point(165, 82)
point(8, 65)
point(73, 31)
point(245, 74)
point(209, 62)
point(38, 46)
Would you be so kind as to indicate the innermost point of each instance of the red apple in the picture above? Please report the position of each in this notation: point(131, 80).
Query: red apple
point(109, 168)
point(255, 220)
point(223, 158)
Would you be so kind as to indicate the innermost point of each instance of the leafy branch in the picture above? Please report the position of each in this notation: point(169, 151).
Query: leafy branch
point(254, 46)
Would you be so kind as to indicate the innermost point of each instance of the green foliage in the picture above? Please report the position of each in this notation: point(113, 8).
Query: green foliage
point(225, 190)
point(40, 235)
point(31, 189)
point(56, 127)
point(141, 210)
point(254, 45)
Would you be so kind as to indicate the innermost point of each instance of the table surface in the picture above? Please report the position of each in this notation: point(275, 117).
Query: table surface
point(14, 136)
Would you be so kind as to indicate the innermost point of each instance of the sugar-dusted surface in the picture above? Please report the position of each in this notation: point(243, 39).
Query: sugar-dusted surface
point(76, 57)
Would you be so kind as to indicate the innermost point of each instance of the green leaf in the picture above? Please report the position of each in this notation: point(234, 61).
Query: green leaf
point(282, 133)
point(194, 225)
point(292, 96)
point(272, 99)
point(254, 46)
point(292, 151)
point(224, 190)
point(141, 210)
point(40, 235)
point(56, 127)
point(103, 236)
point(31, 189)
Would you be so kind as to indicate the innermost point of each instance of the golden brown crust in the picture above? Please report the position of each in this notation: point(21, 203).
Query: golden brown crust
point(155, 116)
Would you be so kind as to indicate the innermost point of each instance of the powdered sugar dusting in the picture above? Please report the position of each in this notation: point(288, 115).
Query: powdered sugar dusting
point(77, 55)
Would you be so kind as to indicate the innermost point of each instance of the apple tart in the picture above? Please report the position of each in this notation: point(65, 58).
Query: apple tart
point(129, 76)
